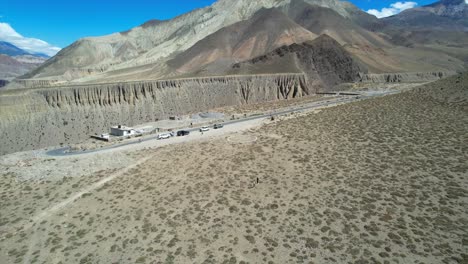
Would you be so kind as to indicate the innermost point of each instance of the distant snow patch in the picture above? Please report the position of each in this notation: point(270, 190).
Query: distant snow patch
point(394, 9)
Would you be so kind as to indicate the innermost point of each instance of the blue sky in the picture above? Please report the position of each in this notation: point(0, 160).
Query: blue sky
point(60, 23)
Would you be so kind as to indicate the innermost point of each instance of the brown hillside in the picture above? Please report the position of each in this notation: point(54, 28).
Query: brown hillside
point(325, 62)
point(266, 30)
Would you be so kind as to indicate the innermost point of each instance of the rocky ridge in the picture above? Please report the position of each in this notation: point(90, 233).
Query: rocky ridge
point(324, 61)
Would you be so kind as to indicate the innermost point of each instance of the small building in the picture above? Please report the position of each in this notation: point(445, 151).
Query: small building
point(121, 131)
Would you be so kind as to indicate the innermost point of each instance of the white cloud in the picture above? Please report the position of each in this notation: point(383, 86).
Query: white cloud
point(394, 9)
point(32, 45)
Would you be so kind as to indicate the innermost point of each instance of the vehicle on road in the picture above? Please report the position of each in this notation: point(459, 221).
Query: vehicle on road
point(204, 129)
point(183, 133)
point(164, 136)
point(218, 126)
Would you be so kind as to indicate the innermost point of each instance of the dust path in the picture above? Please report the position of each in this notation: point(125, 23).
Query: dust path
point(51, 210)
point(88, 189)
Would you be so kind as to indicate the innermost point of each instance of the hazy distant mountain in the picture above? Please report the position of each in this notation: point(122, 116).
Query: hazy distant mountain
point(15, 62)
point(11, 50)
point(439, 27)
point(446, 14)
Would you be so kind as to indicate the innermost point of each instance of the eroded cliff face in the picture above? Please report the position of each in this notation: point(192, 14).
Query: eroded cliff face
point(404, 77)
point(37, 118)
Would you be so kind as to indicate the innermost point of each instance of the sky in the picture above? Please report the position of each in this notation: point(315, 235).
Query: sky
point(40, 26)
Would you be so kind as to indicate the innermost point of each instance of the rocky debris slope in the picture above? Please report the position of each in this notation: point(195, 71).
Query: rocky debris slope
point(36, 118)
point(404, 77)
point(324, 61)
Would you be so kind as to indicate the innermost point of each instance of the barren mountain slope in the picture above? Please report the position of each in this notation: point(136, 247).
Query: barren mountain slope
point(266, 30)
point(157, 41)
point(441, 27)
point(15, 62)
point(324, 61)
point(446, 15)
point(373, 49)
point(320, 20)
point(14, 66)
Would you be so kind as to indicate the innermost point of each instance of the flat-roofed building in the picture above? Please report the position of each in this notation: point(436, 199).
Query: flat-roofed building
point(122, 131)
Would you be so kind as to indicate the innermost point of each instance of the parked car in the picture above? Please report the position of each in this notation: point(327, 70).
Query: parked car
point(183, 133)
point(164, 136)
point(218, 126)
point(204, 129)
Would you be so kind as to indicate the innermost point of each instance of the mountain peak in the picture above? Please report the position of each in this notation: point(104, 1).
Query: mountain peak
point(442, 15)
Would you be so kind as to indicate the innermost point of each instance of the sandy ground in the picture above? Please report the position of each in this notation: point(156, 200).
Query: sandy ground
point(377, 181)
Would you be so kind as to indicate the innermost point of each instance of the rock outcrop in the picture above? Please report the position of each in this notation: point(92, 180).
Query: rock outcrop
point(36, 118)
point(414, 77)
point(324, 62)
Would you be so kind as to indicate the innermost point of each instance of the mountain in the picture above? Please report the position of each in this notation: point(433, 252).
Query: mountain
point(321, 20)
point(149, 46)
point(208, 41)
point(325, 62)
point(9, 49)
point(267, 30)
point(441, 27)
point(15, 62)
point(449, 15)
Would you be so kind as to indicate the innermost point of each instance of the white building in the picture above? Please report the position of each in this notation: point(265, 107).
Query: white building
point(122, 131)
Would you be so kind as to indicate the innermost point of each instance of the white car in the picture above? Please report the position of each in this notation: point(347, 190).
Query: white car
point(164, 136)
point(204, 129)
